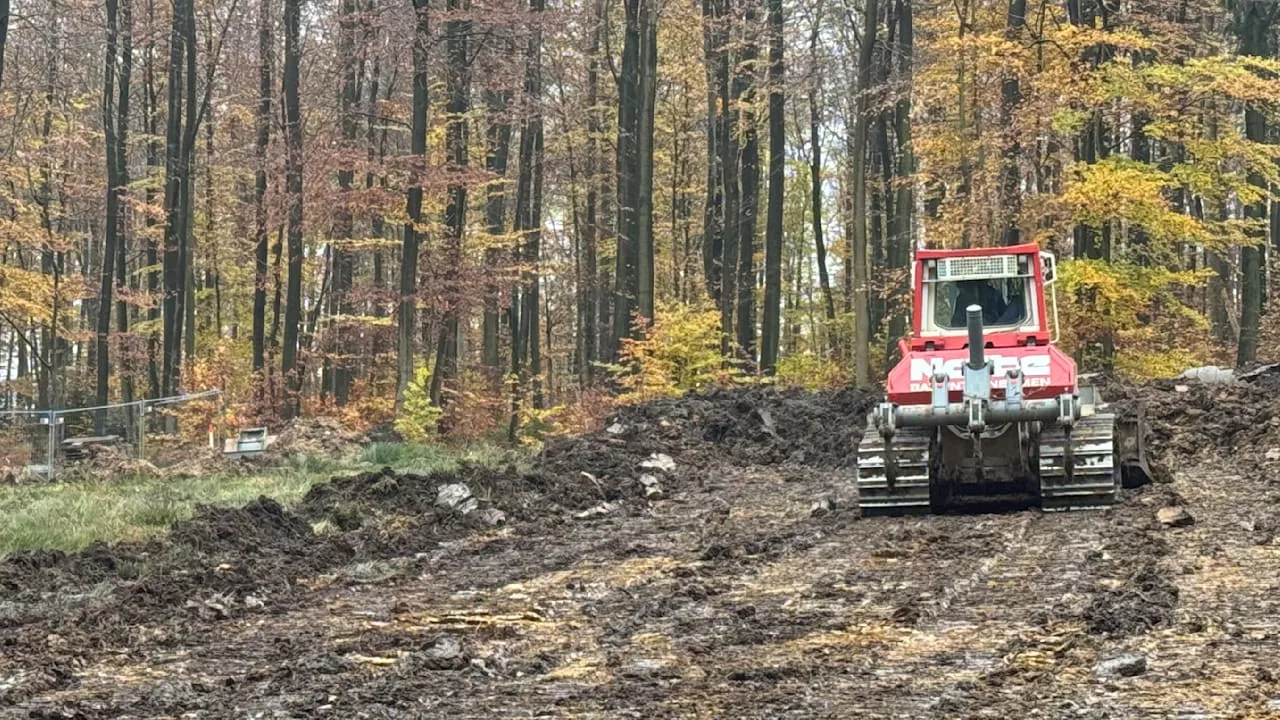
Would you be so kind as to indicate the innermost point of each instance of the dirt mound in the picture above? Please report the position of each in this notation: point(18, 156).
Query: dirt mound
point(746, 426)
point(1191, 420)
point(347, 501)
point(261, 524)
point(107, 461)
point(206, 461)
point(318, 436)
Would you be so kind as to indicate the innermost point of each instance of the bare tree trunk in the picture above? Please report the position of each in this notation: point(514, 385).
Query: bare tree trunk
point(458, 85)
point(713, 206)
point(293, 188)
point(409, 255)
point(344, 261)
point(497, 153)
point(261, 144)
point(862, 330)
point(773, 231)
point(747, 80)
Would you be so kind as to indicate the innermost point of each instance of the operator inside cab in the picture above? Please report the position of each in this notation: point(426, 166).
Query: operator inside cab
point(1001, 299)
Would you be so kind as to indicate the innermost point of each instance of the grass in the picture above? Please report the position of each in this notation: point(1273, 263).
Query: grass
point(69, 516)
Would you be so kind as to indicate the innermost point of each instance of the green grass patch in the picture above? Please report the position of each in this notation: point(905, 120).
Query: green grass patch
point(69, 516)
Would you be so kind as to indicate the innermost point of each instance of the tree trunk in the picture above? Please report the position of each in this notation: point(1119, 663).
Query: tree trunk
point(4, 36)
point(1010, 172)
point(293, 189)
point(900, 234)
point(261, 144)
point(497, 152)
point(862, 335)
point(747, 80)
point(338, 343)
point(175, 171)
point(713, 206)
point(589, 309)
point(730, 183)
point(107, 276)
point(458, 86)
point(647, 93)
point(409, 254)
point(769, 340)
point(1253, 26)
point(124, 83)
point(815, 177)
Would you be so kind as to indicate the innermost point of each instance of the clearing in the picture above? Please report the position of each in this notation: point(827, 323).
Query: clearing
point(738, 583)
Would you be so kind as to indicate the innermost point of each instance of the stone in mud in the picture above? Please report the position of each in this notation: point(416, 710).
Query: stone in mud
point(1174, 517)
point(457, 497)
point(1129, 665)
point(659, 461)
point(652, 487)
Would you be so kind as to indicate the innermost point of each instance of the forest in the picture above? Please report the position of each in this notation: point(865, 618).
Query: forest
point(492, 216)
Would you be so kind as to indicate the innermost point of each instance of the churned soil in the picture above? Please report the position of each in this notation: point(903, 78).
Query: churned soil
point(735, 580)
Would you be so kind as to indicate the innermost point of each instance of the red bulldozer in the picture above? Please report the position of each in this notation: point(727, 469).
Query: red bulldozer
point(982, 408)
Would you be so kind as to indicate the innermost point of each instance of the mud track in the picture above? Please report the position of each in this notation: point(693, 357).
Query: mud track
point(749, 589)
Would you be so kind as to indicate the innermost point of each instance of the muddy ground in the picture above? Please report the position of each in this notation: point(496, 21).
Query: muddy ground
point(740, 583)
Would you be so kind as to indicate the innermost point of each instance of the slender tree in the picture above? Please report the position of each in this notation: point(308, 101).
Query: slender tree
point(777, 160)
point(289, 367)
point(407, 315)
point(862, 320)
point(262, 122)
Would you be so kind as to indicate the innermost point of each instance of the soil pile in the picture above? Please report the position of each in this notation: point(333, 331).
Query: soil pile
point(1191, 420)
point(318, 436)
point(108, 461)
point(752, 426)
point(204, 461)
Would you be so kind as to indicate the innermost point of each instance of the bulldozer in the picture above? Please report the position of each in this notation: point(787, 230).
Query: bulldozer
point(983, 409)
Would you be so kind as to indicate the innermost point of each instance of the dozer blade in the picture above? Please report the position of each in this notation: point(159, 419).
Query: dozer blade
point(907, 491)
point(1078, 469)
point(1131, 447)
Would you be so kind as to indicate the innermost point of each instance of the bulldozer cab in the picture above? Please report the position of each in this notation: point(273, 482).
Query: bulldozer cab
point(1009, 284)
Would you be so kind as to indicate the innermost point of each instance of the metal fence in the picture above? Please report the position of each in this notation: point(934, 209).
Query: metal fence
point(40, 442)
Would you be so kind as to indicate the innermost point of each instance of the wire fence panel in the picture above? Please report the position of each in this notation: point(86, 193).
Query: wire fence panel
point(24, 443)
point(160, 431)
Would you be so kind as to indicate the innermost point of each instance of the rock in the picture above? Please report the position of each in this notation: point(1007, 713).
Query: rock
point(615, 429)
point(659, 461)
point(1273, 454)
point(1129, 665)
point(492, 517)
point(597, 511)
point(821, 506)
point(652, 487)
point(1273, 705)
point(457, 497)
point(1174, 517)
point(446, 648)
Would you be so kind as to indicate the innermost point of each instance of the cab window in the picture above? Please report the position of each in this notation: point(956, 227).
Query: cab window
point(1003, 302)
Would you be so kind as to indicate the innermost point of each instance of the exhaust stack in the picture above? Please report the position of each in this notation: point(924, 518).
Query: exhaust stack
point(973, 314)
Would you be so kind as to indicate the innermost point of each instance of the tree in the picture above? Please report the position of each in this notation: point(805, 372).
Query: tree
point(262, 123)
point(408, 302)
point(459, 89)
point(773, 231)
point(1254, 20)
point(862, 320)
point(117, 71)
point(293, 189)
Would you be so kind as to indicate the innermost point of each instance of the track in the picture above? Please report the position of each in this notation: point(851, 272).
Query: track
point(1092, 483)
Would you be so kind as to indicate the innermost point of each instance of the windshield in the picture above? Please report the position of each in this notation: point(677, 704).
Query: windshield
point(1003, 301)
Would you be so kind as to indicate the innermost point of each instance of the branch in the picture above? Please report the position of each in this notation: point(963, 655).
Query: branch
point(23, 337)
